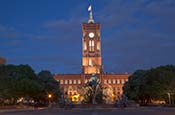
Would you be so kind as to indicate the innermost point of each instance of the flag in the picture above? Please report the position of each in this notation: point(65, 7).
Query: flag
point(90, 8)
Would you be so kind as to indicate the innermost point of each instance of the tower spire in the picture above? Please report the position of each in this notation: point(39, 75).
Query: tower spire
point(91, 20)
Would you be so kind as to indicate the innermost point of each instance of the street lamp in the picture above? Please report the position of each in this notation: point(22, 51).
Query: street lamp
point(49, 96)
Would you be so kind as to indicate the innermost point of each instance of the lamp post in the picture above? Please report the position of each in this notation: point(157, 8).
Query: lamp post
point(49, 96)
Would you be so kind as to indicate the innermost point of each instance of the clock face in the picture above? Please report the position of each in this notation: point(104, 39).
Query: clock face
point(91, 34)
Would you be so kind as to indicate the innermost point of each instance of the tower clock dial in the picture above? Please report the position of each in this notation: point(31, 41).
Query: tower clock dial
point(91, 34)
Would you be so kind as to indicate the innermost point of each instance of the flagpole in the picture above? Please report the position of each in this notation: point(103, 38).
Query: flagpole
point(91, 20)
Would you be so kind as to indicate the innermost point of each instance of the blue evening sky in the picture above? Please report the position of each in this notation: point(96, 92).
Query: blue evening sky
point(46, 34)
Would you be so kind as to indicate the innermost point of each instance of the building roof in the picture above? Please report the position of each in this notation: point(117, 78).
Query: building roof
point(116, 76)
point(80, 76)
point(67, 76)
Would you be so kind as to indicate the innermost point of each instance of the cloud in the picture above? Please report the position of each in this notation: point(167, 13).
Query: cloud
point(6, 29)
point(135, 35)
point(8, 32)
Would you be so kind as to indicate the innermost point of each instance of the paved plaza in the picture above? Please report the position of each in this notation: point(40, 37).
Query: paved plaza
point(112, 111)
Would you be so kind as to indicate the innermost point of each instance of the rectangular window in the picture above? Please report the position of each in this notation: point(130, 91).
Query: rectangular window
point(61, 81)
point(118, 81)
point(79, 81)
point(75, 82)
point(65, 82)
point(113, 81)
point(109, 81)
point(70, 81)
point(123, 81)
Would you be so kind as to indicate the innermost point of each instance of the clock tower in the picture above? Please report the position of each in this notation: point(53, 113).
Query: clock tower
point(91, 50)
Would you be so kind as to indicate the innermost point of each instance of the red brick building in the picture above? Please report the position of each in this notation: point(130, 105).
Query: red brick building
point(2, 61)
point(71, 84)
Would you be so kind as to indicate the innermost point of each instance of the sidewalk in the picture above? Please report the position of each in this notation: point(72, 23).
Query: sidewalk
point(21, 109)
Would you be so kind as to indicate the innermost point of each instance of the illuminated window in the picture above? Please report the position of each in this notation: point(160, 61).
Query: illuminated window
point(65, 82)
point(85, 46)
point(91, 45)
point(113, 81)
point(123, 81)
point(109, 81)
point(118, 81)
point(90, 62)
point(75, 82)
point(70, 81)
point(86, 81)
point(79, 81)
point(61, 81)
point(126, 80)
point(98, 45)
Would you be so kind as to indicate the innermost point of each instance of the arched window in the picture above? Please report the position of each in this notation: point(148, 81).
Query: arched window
point(85, 46)
point(98, 45)
point(90, 62)
point(91, 45)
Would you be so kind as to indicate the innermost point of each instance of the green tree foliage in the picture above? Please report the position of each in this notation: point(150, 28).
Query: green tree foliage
point(18, 81)
point(153, 84)
point(51, 86)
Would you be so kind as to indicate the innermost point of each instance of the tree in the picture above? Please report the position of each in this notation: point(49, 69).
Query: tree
point(154, 84)
point(18, 81)
point(51, 86)
point(134, 87)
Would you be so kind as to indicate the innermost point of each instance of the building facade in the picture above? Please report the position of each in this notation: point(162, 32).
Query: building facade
point(2, 61)
point(71, 84)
